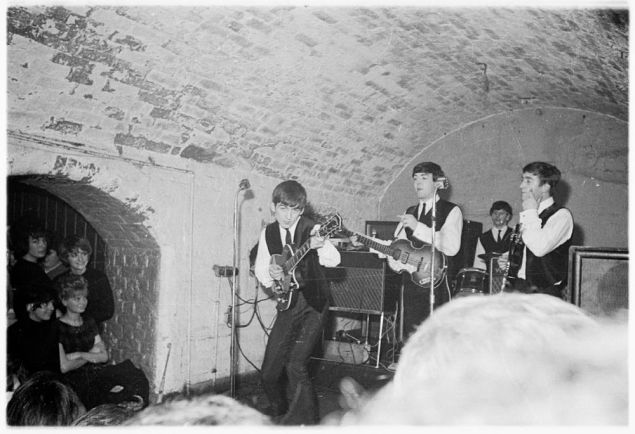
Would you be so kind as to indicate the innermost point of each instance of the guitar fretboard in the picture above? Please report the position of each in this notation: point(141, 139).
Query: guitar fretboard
point(369, 242)
point(327, 229)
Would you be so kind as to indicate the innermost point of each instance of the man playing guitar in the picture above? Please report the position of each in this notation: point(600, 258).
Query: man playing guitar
point(298, 327)
point(415, 225)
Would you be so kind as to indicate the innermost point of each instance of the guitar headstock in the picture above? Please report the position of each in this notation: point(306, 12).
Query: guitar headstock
point(331, 224)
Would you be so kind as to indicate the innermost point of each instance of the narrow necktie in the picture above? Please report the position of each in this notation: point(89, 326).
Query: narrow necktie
point(500, 231)
point(287, 239)
point(423, 211)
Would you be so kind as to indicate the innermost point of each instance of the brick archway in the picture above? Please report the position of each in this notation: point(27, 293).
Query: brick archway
point(131, 262)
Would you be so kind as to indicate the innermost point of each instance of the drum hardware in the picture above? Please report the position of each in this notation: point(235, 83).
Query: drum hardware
point(471, 281)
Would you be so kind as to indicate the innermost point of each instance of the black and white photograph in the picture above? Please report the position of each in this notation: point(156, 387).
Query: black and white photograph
point(316, 214)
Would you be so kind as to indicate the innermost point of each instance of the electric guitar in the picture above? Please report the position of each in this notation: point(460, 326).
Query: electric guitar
point(285, 288)
point(514, 261)
point(403, 256)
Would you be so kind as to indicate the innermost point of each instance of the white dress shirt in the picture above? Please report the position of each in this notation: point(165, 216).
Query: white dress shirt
point(540, 241)
point(447, 239)
point(328, 255)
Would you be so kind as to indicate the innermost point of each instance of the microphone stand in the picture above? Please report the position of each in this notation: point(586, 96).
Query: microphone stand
point(244, 185)
point(433, 224)
point(444, 184)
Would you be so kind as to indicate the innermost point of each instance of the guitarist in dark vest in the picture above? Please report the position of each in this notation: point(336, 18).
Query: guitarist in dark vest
point(546, 230)
point(497, 239)
point(415, 225)
point(297, 329)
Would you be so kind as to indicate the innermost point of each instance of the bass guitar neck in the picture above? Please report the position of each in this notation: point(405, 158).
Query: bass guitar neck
point(402, 256)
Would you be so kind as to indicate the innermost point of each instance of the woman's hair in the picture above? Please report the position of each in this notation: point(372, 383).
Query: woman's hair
point(69, 284)
point(20, 234)
point(43, 400)
point(73, 244)
point(37, 295)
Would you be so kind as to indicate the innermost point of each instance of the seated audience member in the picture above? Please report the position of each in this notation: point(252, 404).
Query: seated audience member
point(510, 359)
point(105, 415)
point(83, 354)
point(201, 410)
point(44, 400)
point(30, 243)
point(52, 264)
point(76, 251)
point(32, 342)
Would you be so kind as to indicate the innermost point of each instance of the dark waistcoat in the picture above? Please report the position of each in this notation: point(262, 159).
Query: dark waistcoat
point(551, 268)
point(443, 209)
point(490, 244)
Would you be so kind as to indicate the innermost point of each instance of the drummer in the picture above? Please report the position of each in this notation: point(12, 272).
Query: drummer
point(496, 240)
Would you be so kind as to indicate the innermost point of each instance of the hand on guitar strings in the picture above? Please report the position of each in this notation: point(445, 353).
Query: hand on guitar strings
point(316, 240)
point(408, 221)
point(354, 242)
point(276, 272)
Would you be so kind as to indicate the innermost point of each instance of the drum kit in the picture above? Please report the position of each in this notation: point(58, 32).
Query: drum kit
point(475, 281)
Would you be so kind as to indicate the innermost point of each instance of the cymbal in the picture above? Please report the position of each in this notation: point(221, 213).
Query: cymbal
point(490, 255)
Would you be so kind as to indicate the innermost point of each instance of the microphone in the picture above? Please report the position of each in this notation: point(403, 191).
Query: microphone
point(244, 184)
point(442, 183)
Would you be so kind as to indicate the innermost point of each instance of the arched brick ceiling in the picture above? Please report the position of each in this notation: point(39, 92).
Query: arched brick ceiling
point(339, 97)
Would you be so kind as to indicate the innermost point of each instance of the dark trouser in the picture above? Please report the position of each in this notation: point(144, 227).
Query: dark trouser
point(416, 304)
point(93, 383)
point(291, 343)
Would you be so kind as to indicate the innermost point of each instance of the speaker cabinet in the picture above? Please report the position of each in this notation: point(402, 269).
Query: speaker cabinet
point(598, 279)
point(363, 283)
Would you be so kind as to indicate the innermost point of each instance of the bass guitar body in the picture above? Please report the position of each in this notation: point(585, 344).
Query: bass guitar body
point(417, 261)
point(285, 288)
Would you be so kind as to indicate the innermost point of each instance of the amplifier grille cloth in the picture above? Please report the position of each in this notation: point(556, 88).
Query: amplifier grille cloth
point(359, 289)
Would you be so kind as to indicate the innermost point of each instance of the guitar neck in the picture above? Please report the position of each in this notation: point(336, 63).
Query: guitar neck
point(326, 229)
point(369, 242)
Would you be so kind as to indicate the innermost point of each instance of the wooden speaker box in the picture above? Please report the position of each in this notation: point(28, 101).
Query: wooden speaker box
point(598, 279)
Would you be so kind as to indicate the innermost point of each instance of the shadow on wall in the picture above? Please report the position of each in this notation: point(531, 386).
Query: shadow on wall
point(577, 238)
point(562, 195)
point(562, 192)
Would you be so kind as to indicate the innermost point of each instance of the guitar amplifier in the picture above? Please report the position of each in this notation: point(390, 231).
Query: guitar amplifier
point(363, 283)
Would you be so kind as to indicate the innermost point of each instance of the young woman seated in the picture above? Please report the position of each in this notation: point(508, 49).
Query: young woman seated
point(83, 353)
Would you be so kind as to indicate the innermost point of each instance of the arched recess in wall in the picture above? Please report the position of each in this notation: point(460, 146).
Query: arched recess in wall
point(124, 250)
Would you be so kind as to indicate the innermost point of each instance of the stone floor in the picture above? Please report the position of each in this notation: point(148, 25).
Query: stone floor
point(326, 376)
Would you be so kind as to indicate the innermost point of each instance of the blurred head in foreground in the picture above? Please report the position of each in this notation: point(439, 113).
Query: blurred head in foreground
point(201, 410)
point(508, 359)
point(44, 400)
